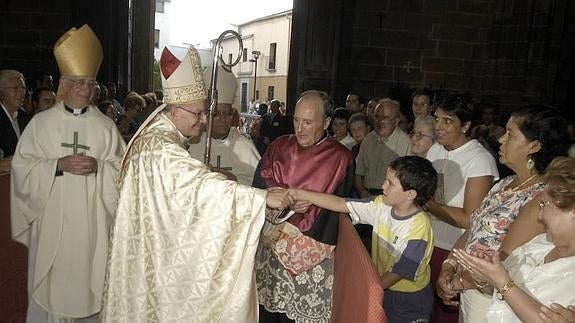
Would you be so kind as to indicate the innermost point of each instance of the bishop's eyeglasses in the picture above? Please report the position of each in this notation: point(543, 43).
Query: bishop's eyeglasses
point(196, 114)
point(78, 83)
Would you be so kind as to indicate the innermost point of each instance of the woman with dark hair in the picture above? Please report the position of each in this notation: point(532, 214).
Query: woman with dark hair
point(534, 136)
point(466, 173)
point(339, 127)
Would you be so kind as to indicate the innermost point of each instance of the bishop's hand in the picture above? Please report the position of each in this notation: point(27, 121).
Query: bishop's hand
point(78, 164)
point(278, 198)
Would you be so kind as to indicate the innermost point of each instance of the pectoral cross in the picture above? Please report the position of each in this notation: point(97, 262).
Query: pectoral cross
point(218, 164)
point(75, 145)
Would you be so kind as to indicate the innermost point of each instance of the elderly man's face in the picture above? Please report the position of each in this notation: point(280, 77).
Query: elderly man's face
point(385, 119)
point(190, 118)
point(309, 120)
point(78, 90)
point(46, 100)
point(13, 92)
point(222, 121)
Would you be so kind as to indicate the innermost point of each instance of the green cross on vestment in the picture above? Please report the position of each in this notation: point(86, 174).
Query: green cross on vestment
point(218, 164)
point(75, 145)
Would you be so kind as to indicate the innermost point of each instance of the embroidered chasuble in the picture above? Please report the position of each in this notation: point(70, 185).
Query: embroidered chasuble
point(184, 238)
point(325, 167)
point(64, 220)
point(236, 154)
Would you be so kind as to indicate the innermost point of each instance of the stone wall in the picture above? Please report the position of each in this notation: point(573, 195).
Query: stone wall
point(516, 50)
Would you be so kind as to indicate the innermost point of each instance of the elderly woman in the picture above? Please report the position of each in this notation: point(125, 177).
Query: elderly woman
point(422, 136)
point(466, 172)
point(534, 136)
point(542, 271)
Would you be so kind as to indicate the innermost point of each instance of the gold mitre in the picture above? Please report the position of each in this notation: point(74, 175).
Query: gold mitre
point(227, 84)
point(182, 81)
point(78, 52)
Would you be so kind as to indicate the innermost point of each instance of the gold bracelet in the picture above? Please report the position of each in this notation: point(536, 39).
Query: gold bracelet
point(504, 289)
point(461, 281)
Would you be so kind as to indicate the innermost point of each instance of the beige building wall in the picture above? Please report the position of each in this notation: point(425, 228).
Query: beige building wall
point(257, 35)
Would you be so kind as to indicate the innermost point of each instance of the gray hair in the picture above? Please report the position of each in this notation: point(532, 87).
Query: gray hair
point(5, 74)
point(393, 103)
point(324, 97)
point(426, 122)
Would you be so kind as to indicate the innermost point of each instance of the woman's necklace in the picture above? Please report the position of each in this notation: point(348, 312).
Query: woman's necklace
point(521, 185)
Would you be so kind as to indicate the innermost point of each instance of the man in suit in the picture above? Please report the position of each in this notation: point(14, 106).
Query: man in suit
point(12, 94)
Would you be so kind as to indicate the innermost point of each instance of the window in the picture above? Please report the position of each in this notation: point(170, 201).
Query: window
point(245, 55)
point(156, 38)
point(272, 57)
point(160, 6)
point(244, 97)
point(270, 93)
point(230, 56)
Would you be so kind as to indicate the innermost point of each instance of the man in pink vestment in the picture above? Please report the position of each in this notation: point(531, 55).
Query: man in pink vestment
point(295, 272)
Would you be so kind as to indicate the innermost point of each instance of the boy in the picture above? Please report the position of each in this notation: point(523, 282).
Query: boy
point(402, 236)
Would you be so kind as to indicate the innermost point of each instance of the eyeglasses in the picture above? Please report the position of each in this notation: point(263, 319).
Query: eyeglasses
point(418, 135)
point(15, 88)
point(197, 114)
point(81, 82)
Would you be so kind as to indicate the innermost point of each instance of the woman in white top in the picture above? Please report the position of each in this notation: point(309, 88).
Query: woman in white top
point(466, 173)
point(542, 271)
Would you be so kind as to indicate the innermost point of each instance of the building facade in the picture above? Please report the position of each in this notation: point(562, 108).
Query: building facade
point(262, 70)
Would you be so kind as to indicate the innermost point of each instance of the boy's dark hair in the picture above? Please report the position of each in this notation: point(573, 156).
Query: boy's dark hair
point(416, 173)
point(341, 113)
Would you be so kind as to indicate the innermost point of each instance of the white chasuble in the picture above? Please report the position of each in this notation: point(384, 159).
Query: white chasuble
point(184, 238)
point(64, 219)
point(235, 153)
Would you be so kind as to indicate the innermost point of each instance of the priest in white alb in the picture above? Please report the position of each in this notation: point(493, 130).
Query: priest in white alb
point(184, 238)
point(63, 193)
point(231, 152)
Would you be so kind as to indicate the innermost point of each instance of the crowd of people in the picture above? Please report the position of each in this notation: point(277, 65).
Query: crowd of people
point(129, 217)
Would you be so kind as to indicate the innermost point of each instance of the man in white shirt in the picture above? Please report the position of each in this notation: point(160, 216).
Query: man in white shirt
point(230, 151)
point(379, 148)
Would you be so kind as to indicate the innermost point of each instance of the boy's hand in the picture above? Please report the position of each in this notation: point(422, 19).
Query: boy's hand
point(299, 205)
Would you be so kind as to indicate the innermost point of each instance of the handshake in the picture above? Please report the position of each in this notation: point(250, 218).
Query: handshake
point(282, 203)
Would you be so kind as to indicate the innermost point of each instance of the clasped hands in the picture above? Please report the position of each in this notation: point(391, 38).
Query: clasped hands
point(78, 164)
point(473, 270)
point(281, 198)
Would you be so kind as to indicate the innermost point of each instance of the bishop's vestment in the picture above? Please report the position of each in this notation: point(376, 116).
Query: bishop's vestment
point(63, 219)
point(184, 239)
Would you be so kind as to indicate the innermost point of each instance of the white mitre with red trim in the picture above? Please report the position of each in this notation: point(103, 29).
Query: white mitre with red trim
point(182, 80)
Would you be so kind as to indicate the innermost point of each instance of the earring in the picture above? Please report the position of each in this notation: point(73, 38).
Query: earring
point(530, 164)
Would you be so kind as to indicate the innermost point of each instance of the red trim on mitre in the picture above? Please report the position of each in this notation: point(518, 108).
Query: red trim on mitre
point(168, 63)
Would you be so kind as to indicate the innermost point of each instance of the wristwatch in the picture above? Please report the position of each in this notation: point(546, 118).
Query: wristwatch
point(504, 289)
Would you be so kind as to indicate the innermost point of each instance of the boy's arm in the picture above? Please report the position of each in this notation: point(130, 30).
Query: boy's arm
point(389, 279)
point(323, 200)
